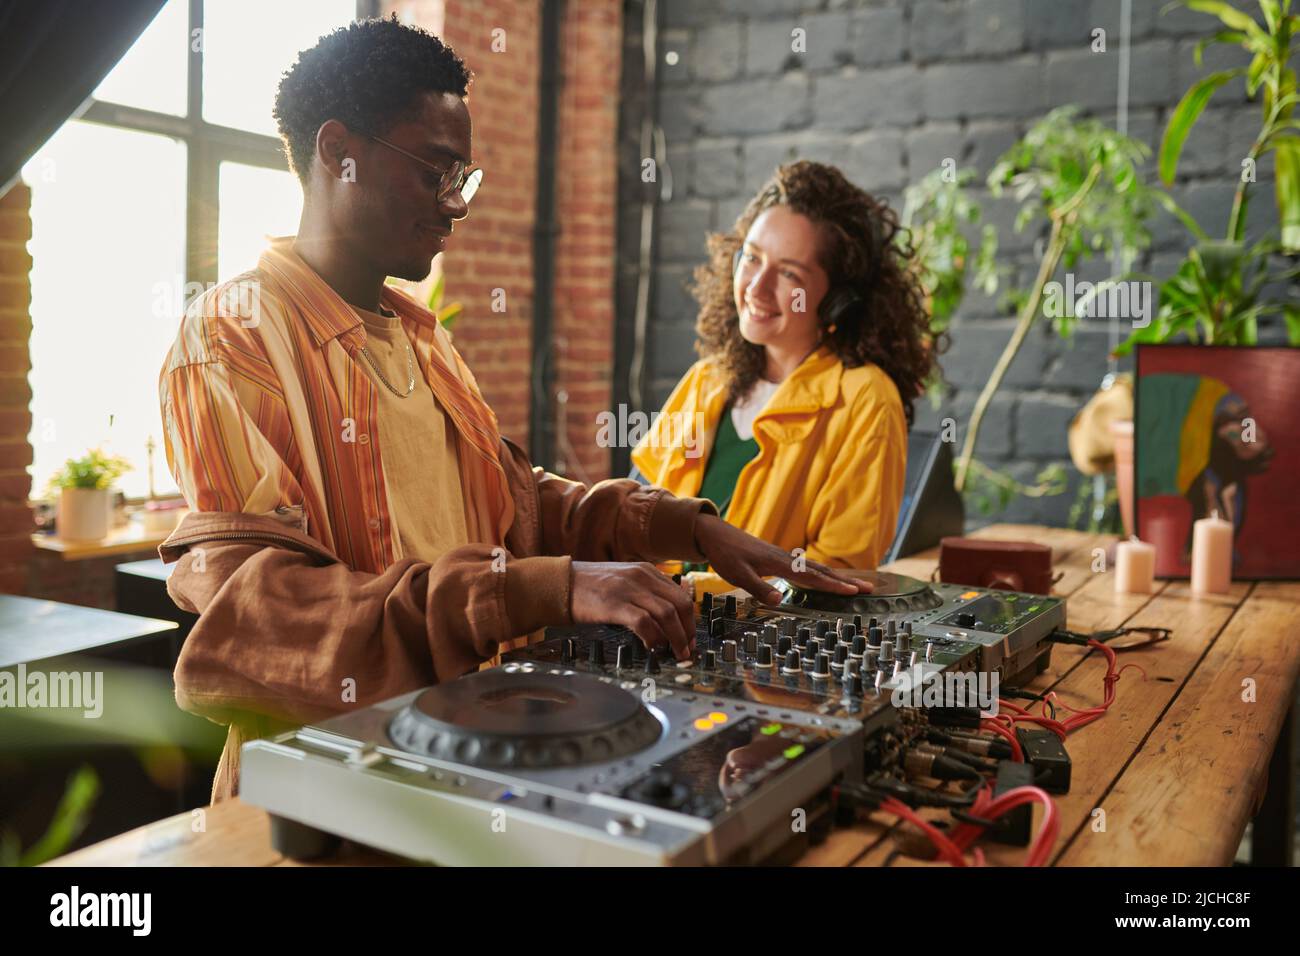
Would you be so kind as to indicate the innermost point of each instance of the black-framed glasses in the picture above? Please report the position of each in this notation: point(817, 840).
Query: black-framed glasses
point(455, 178)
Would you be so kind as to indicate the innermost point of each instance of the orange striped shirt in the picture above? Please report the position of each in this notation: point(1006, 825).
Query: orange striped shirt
point(267, 410)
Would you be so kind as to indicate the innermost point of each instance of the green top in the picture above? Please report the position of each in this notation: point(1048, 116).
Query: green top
point(729, 455)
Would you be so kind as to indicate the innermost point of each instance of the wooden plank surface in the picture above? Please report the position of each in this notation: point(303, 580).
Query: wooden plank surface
point(1186, 797)
point(1176, 764)
point(1100, 751)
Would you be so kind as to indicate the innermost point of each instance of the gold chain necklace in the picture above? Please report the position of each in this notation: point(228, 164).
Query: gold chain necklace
point(410, 372)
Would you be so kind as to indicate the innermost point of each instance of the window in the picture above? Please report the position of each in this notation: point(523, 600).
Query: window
point(171, 179)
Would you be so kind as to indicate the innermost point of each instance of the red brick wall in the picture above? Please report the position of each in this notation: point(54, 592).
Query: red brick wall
point(15, 393)
point(587, 190)
point(494, 247)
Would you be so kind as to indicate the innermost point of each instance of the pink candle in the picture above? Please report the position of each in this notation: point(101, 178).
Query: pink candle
point(1135, 567)
point(1211, 555)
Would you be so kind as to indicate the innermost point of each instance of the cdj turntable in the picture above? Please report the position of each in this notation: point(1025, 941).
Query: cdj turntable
point(586, 748)
point(529, 764)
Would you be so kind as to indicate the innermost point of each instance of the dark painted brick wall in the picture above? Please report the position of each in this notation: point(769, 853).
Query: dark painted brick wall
point(887, 90)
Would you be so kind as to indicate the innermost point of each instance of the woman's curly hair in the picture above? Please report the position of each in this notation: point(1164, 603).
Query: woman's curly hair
point(892, 327)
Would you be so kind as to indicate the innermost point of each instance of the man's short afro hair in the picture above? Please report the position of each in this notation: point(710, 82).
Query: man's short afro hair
point(367, 75)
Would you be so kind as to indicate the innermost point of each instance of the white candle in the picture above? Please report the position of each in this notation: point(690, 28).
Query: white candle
point(1211, 555)
point(1135, 567)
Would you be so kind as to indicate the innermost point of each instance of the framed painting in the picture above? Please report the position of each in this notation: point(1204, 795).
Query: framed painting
point(1217, 429)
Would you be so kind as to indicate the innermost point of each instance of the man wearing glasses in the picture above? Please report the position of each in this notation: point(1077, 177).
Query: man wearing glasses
point(358, 527)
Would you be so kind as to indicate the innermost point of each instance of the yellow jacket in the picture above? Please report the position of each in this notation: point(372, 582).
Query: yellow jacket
point(828, 476)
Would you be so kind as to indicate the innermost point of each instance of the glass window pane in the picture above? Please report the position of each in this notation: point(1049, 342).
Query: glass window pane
point(255, 205)
point(108, 263)
point(248, 44)
point(152, 75)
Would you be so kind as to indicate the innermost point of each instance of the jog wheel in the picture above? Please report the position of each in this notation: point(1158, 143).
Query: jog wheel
point(893, 594)
point(519, 717)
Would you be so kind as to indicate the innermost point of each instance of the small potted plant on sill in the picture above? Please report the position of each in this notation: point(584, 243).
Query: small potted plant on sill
point(85, 494)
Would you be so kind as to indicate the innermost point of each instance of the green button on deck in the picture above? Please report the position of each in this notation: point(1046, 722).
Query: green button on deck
point(791, 752)
point(770, 729)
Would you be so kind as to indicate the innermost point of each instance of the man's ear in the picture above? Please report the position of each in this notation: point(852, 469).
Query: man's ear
point(334, 146)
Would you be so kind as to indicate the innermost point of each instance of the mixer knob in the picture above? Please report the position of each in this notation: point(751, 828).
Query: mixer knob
point(764, 655)
point(783, 645)
point(857, 623)
point(803, 636)
point(729, 605)
point(820, 629)
point(751, 642)
point(964, 619)
point(662, 790)
point(849, 633)
point(841, 654)
point(652, 662)
point(853, 686)
point(717, 628)
point(822, 666)
point(710, 660)
point(812, 649)
point(870, 659)
point(596, 654)
point(859, 646)
point(623, 655)
point(886, 652)
point(903, 642)
point(875, 636)
point(771, 634)
point(791, 666)
point(788, 626)
point(728, 652)
point(891, 628)
point(569, 650)
point(706, 603)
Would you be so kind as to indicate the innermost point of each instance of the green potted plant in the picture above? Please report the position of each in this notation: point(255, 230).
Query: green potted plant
point(1080, 178)
point(85, 494)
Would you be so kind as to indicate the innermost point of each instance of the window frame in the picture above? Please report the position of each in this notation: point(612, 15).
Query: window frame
point(207, 146)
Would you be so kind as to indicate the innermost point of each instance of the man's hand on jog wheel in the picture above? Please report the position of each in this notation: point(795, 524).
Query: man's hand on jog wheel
point(641, 598)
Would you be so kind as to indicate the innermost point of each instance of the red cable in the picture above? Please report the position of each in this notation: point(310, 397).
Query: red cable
point(952, 848)
point(993, 725)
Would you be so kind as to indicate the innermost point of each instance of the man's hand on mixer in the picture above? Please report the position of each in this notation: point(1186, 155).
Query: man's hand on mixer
point(744, 561)
point(637, 596)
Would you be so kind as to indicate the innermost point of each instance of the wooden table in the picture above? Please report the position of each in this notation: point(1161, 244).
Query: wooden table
point(1179, 764)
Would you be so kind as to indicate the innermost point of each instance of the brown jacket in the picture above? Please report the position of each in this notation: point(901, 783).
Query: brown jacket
point(287, 633)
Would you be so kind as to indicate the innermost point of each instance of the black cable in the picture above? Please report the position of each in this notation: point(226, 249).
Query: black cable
point(1065, 636)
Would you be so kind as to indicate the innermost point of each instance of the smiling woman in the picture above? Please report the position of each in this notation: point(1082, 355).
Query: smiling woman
point(814, 345)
